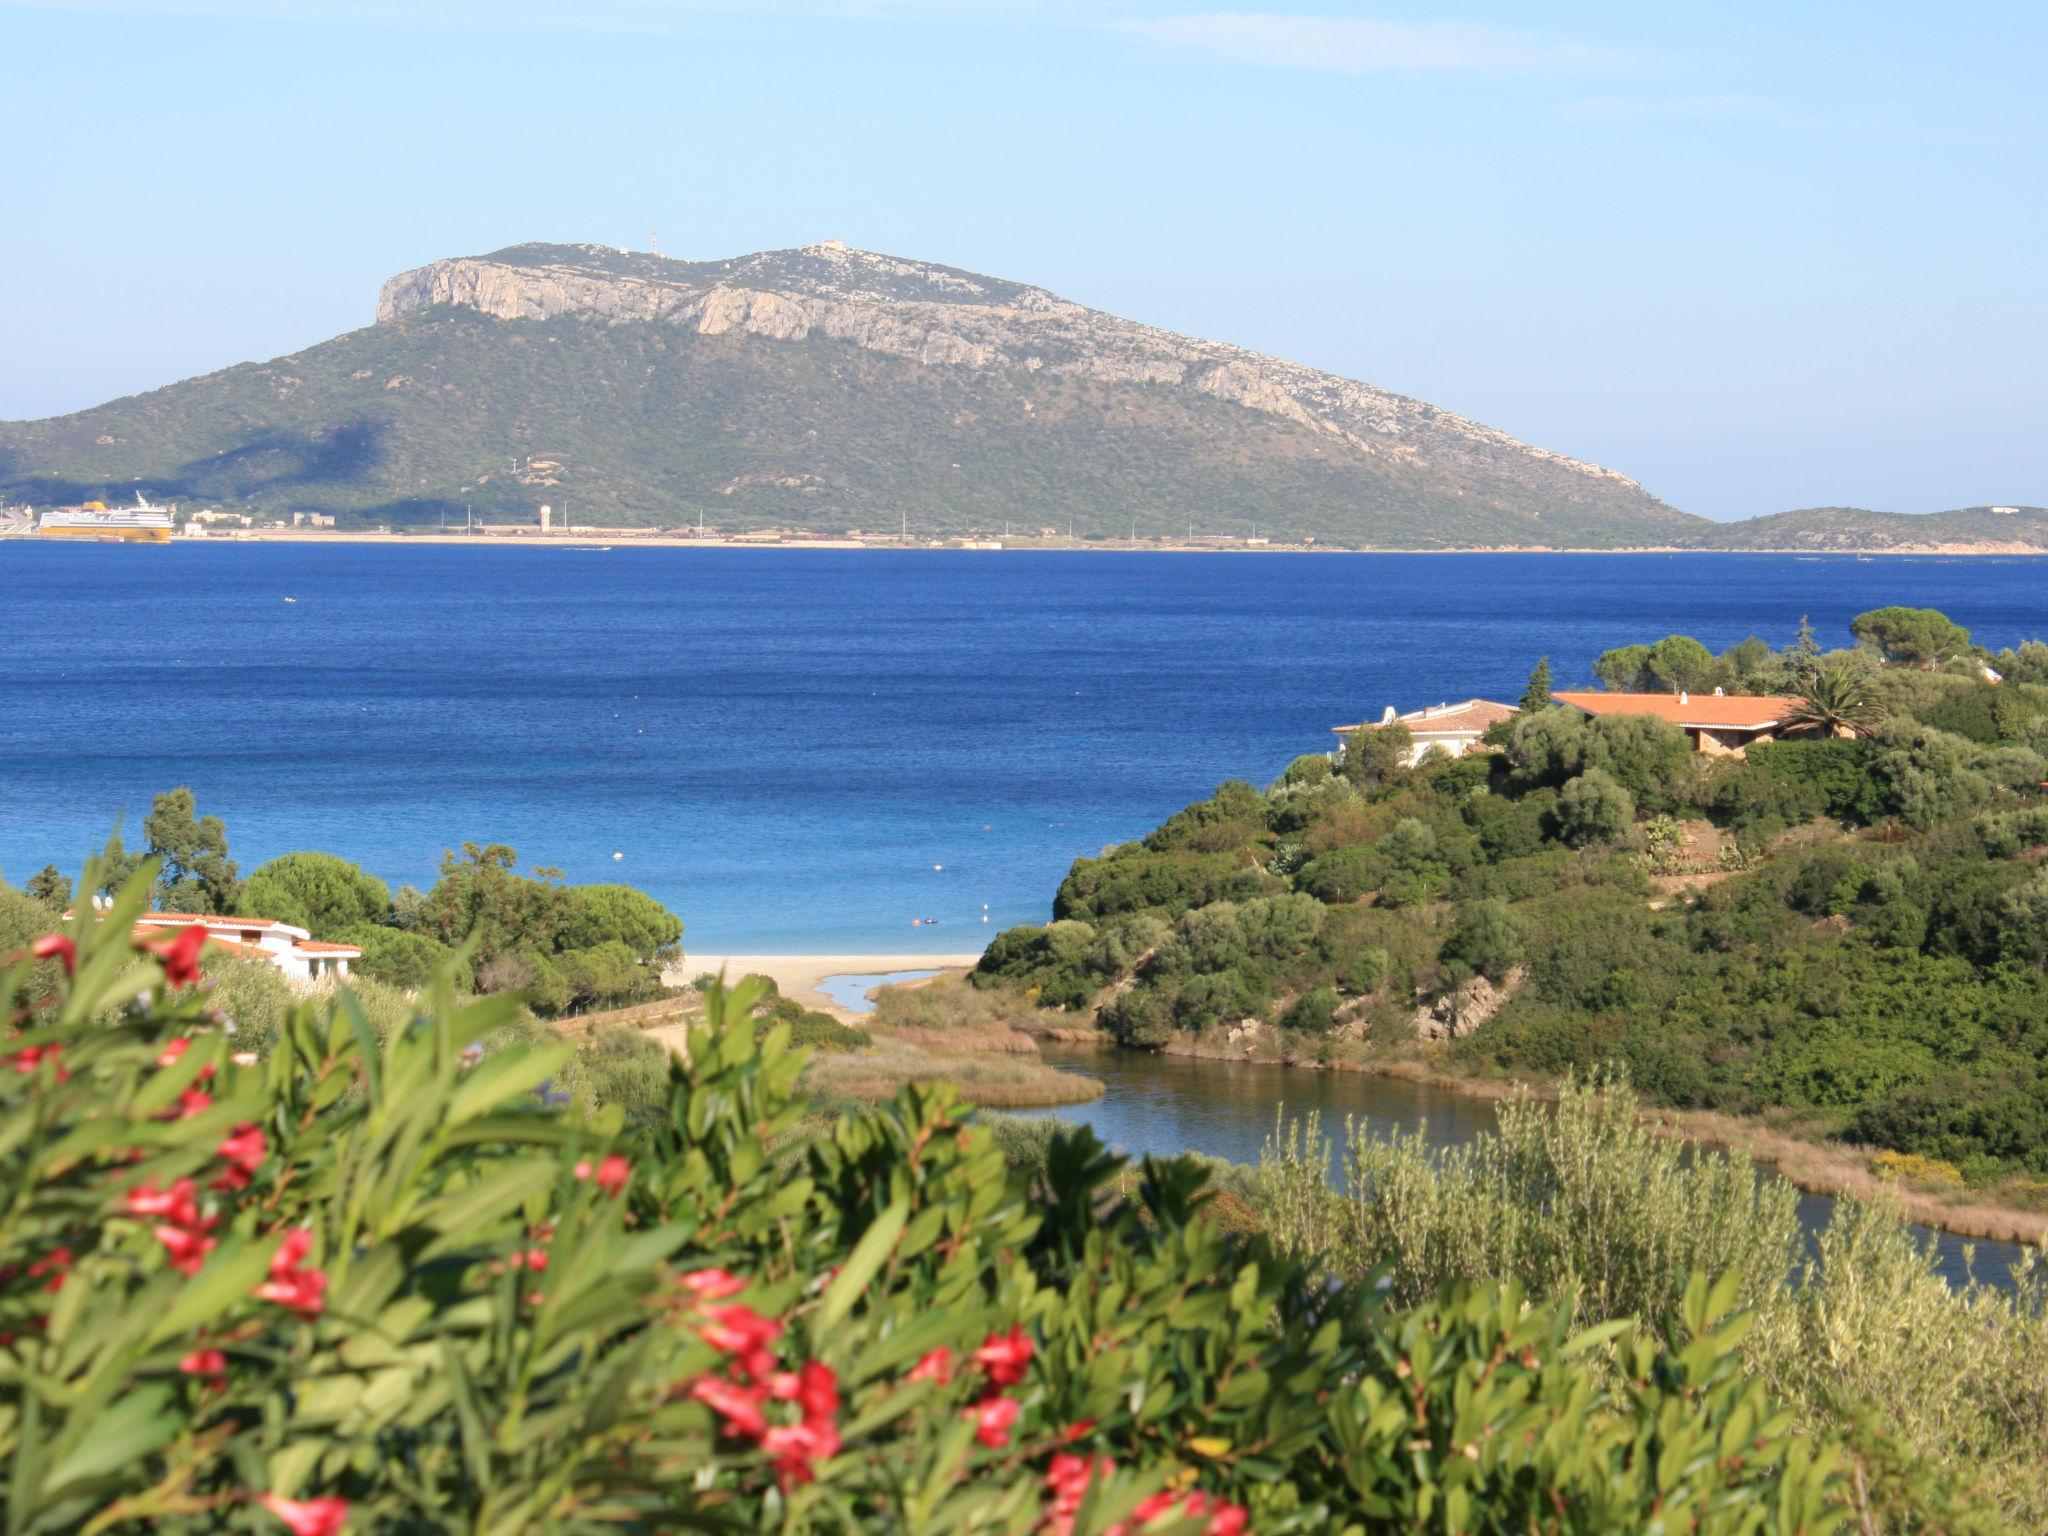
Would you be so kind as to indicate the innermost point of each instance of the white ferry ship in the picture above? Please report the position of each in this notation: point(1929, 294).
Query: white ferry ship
point(143, 523)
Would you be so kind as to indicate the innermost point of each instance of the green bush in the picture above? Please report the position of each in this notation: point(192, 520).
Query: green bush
point(1939, 1393)
point(1838, 771)
point(1313, 1013)
point(1486, 940)
point(325, 895)
point(1593, 808)
point(408, 960)
point(384, 1283)
point(1056, 961)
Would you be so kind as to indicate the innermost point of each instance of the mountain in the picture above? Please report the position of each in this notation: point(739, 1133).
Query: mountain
point(820, 388)
point(1970, 530)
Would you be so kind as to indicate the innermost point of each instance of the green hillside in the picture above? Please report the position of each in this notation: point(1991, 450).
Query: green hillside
point(1855, 528)
point(1057, 418)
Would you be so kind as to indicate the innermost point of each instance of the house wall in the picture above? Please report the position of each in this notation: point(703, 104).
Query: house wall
point(1456, 746)
point(1727, 741)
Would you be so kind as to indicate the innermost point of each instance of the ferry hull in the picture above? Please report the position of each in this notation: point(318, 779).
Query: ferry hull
point(109, 535)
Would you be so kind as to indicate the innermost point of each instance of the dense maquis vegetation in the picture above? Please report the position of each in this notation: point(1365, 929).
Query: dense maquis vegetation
point(376, 1278)
point(564, 948)
point(1851, 928)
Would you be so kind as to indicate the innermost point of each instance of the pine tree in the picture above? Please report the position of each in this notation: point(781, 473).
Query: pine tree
point(1537, 694)
point(1805, 654)
point(51, 886)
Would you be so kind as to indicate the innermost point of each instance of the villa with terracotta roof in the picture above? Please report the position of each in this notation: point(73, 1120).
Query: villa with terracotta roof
point(1720, 724)
point(298, 956)
point(1456, 728)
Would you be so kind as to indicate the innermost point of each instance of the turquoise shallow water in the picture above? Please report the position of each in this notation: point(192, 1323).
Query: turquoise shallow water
point(780, 744)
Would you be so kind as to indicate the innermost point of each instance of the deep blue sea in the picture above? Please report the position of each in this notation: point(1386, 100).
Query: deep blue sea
point(798, 751)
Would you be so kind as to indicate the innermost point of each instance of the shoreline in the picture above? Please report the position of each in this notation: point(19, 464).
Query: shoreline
point(594, 541)
point(799, 976)
point(1815, 1168)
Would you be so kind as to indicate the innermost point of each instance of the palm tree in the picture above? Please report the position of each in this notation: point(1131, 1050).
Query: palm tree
point(1838, 701)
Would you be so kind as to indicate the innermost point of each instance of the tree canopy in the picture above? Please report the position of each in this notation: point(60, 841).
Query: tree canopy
point(1920, 637)
point(327, 896)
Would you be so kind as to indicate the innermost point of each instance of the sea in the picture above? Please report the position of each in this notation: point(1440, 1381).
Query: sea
point(883, 752)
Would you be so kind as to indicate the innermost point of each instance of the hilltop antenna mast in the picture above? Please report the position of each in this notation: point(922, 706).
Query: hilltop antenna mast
point(654, 242)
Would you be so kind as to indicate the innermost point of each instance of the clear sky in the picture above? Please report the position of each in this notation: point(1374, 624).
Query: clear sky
point(1758, 255)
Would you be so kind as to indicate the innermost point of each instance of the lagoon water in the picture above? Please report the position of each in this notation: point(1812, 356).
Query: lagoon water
point(815, 751)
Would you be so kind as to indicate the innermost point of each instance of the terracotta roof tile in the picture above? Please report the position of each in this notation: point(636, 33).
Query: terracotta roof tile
point(1710, 711)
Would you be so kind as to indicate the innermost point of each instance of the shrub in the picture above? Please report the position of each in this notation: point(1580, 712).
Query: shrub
point(1593, 808)
point(408, 960)
point(387, 1281)
point(1487, 940)
point(1141, 1019)
point(1939, 1393)
point(1055, 961)
point(325, 895)
point(1313, 1013)
point(1838, 771)
point(1341, 875)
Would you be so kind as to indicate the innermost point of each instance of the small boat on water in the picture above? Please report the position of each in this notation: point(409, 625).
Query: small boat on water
point(143, 523)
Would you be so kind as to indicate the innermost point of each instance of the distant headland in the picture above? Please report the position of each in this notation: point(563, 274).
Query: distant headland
point(828, 396)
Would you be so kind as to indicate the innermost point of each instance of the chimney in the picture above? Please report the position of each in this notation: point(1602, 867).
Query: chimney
point(1388, 717)
point(1684, 697)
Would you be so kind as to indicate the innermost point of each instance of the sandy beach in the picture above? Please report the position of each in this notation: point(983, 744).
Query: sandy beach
point(799, 975)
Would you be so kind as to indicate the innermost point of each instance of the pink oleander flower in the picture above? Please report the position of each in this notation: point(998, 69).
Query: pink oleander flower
point(993, 1417)
point(243, 1152)
point(188, 1246)
point(711, 1284)
point(180, 955)
point(740, 1407)
point(936, 1366)
point(308, 1517)
point(1066, 1483)
point(58, 947)
point(204, 1362)
point(1004, 1357)
point(817, 1391)
point(745, 1334)
point(1225, 1519)
point(303, 1291)
point(795, 1448)
point(29, 1057)
point(611, 1174)
point(56, 1264)
point(176, 1204)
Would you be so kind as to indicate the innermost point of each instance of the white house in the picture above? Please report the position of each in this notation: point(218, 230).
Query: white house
point(1454, 727)
point(297, 955)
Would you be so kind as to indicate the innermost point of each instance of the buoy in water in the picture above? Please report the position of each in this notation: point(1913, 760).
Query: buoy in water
point(937, 867)
point(618, 855)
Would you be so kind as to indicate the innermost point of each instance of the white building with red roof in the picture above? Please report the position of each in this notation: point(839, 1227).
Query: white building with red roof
point(296, 954)
point(1455, 728)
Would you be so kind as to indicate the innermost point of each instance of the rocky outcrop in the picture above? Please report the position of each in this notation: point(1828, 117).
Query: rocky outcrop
point(1467, 1007)
point(942, 317)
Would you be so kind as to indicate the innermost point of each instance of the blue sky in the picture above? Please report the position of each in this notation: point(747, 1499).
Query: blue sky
point(1757, 255)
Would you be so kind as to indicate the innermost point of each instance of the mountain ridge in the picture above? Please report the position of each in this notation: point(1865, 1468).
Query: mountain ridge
point(822, 387)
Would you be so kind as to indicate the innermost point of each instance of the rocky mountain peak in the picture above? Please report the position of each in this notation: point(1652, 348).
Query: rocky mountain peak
point(941, 316)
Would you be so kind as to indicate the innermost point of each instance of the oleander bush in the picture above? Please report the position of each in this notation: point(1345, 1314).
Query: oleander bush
point(388, 1281)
